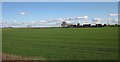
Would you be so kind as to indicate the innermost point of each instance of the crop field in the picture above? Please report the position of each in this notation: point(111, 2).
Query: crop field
point(62, 43)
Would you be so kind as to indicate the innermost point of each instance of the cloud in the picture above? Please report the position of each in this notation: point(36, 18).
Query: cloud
point(69, 19)
point(96, 19)
point(114, 21)
point(23, 13)
point(112, 14)
point(56, 20)
point(43, 22)
point(76, 18)
point(69, 22)
point(82, 17)
point(24, 23)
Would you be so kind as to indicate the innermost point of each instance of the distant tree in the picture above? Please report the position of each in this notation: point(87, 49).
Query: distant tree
point(64, 24)
point(78, 25)
point(71, 25)
point(28, 26)
point(104, 25)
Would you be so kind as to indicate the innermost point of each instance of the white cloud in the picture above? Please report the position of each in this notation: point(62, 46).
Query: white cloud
point(83, 17)
point(114, 21)
point(113, 15)
point(43, 22)
point(56, 20)
point(69, 22)
point(60, 19)
point(69, 19)
point(96, 19)
point(23, 13)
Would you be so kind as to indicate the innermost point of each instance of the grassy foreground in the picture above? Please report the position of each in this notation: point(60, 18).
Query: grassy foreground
point(62, 43)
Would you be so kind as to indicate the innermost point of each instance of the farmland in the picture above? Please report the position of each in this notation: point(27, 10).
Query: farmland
point(62, 43)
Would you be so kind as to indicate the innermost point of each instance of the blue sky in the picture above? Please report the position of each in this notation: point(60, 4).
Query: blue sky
point(40, 13)
point(60, 0)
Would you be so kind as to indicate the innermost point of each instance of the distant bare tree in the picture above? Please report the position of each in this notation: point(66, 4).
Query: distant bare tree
point(64, 24)
point(28, 26)
point(78, 25)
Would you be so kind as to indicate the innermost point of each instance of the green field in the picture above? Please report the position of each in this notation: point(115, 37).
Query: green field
point(0, 44)
point(62, 43)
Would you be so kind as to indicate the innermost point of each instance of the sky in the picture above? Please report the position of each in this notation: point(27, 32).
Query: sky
point(60, 0)
point(49, 14)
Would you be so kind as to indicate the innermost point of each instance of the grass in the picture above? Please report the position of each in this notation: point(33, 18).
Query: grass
point(62, 43)
point(14, 57)
point(0, 44)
